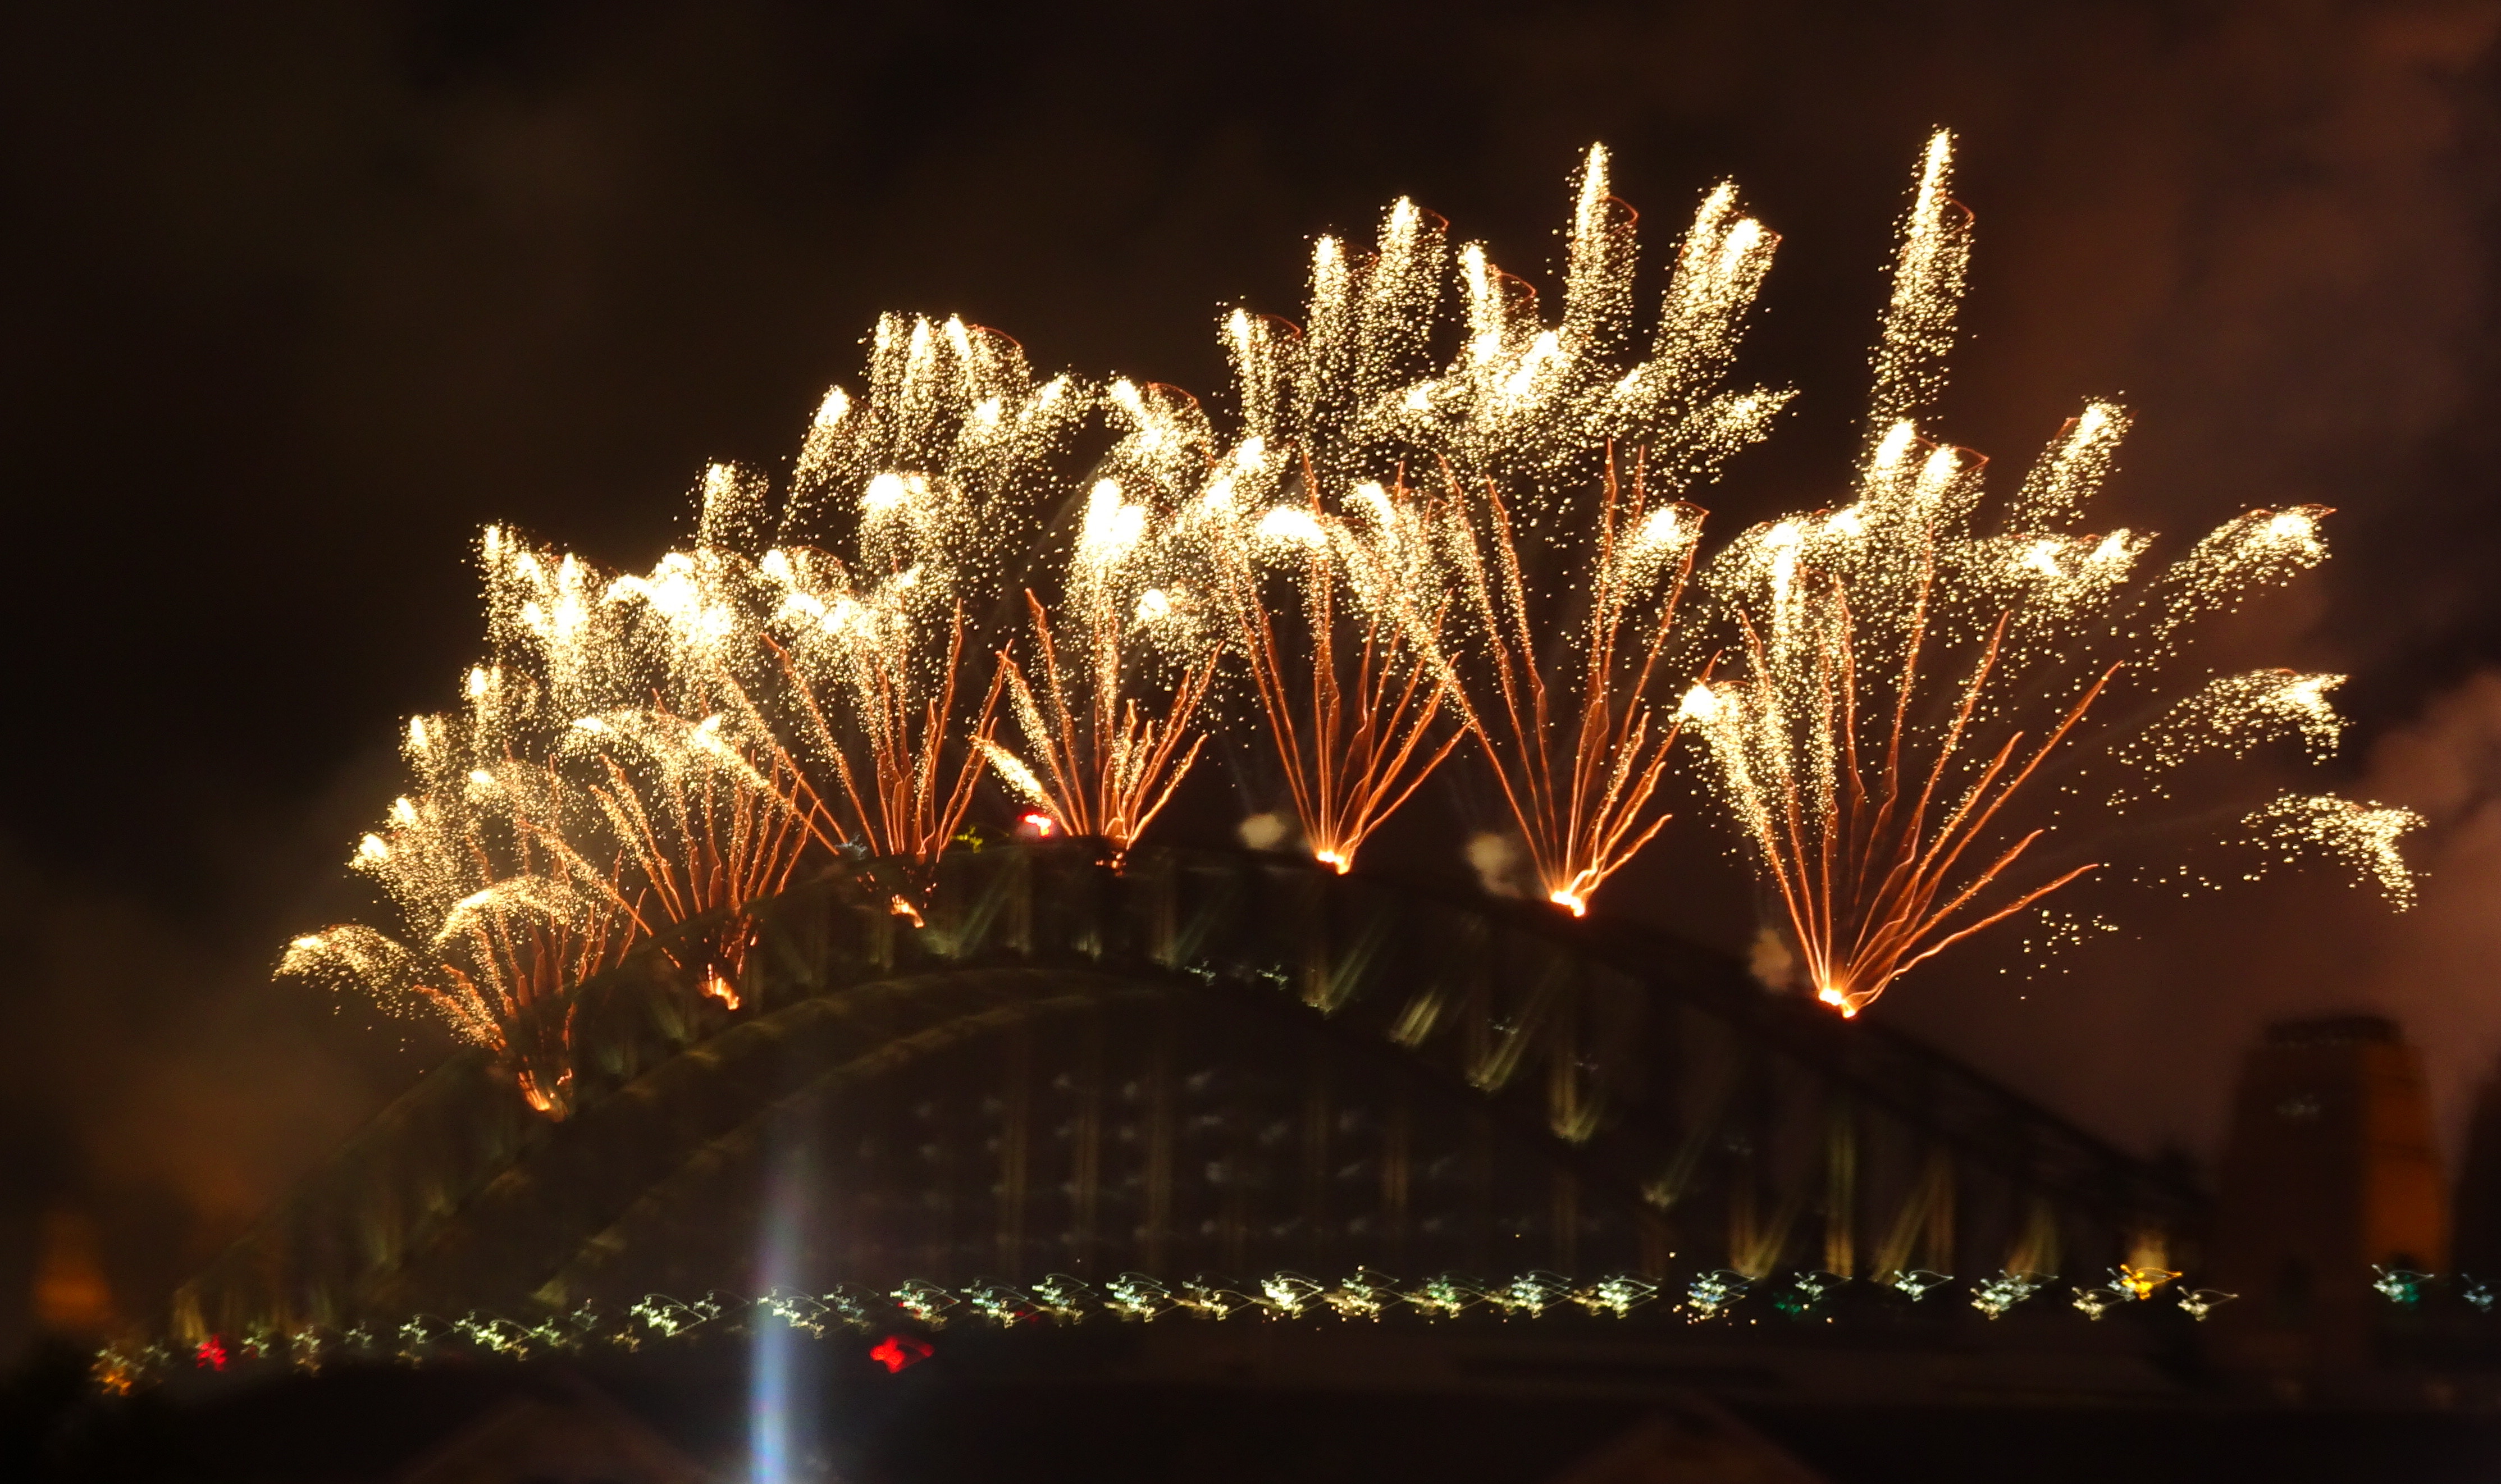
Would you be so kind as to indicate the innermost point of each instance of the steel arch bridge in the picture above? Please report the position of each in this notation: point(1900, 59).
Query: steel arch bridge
point(1199, 1062)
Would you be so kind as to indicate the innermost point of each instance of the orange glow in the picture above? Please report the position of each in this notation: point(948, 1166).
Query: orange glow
point(1572, 901)
point(70, 1294)
point(716, 986)
point(903, 909)
point(1039, 825)
point(539, 1099)
point(1103, 766)
point(1334, 860)
point(2140, 1282)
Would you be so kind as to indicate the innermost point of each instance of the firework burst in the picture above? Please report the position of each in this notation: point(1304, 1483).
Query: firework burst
point(1531, 587)
point(1347, 689)
point(1108, 712)
point(498, 918)
point(1903, 680)
point(926, 491)
point(1348, 692)
point(704, 831)
point(1440, 522)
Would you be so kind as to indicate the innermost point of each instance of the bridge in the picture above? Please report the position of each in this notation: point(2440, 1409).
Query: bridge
point(1199, 1063)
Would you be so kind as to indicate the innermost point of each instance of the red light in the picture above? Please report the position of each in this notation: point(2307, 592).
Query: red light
point(897, 1351)
point(212, 1354)
point(1037, 824)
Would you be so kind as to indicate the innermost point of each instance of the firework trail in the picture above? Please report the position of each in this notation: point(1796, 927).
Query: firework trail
point(694, 795)
point(499, 918)
point(1349, 691)
point(1106, 762)
point(1569, 594)
point(1902, 678)
point(1532, 587)
point(927, 490)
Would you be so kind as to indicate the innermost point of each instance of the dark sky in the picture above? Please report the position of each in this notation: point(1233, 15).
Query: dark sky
point(293, 298)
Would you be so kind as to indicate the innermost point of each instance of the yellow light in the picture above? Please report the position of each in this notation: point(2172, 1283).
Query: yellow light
point(1292, 525)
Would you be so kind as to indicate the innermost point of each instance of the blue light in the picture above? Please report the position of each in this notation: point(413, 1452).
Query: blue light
point(779, 1412)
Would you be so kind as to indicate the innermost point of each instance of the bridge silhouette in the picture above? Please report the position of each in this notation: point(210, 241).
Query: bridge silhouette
point(1200, 1062)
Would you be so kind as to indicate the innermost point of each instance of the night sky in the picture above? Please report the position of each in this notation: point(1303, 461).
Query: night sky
point(295, 298)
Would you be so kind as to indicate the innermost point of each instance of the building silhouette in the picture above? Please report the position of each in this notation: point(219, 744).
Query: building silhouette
point(2329, 1173)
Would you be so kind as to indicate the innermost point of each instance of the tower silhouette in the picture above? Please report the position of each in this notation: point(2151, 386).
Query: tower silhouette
point(2330, 1170)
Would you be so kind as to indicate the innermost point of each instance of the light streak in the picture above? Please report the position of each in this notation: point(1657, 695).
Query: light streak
point(781, 1401)
point(1898, 685)
point(1350, 692)
point(1454, 600)
point(497, 917)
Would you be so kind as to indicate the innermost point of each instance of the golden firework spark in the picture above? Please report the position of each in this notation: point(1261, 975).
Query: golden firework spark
point(2363, 836)
point(1106, 769)
point(1350, 692)
point(706, 816)
point(706, 831)
point(876, 715)
point(1350, 688)
point(1410, 551)
point(1902, 676)
point(1113, 725)
point(1585, 808)
point(1529, 540)
point(496, 927)
point(924, 492)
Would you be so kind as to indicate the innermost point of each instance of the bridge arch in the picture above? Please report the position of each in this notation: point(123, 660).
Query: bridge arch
point(1202, 1062)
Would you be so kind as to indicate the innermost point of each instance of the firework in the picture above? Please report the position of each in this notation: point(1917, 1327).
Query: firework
point(2363, 836)
point(1529, 538)
point(1349, 689)
point(704, 830)
point(499, 918)
point(1106, 764)
point(1902, 678)
point(1579, 747)
point(1350, 693)
point(1584, 809)
point(1107, 771)
point(706, 816)
point(872, 687)
point(905, 513)
point(1411, 553)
